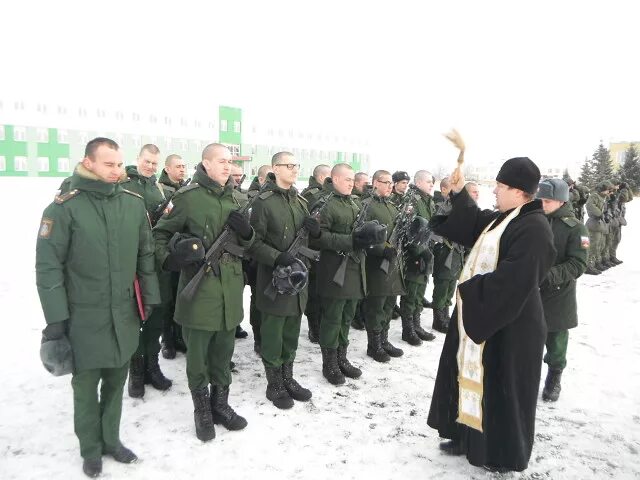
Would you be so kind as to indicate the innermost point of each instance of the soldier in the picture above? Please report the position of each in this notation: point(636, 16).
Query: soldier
point(382, 288)
point(558, 290)
point(199, 213)
point(473, 190)
point(92, 244)
point(597, 227)
point(400, 184)
point(238, 176)
point(277, 215)
point(624, 196)
point(578, 196)
point(361, 187)
point(171, 180)
point(144, 368)
point(342, 250)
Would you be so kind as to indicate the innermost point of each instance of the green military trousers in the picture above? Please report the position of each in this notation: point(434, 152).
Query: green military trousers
point(312, 309)
point(556, 356)
point(377, 312)
point(595, 239)
point(279, 338)
point(443, 291)
point(208, 356)
point(152, 327)
point(96, 419)
point(614, 241)
point(604, 247)
point(254, 313)
point(337, 314)
point(411, 302)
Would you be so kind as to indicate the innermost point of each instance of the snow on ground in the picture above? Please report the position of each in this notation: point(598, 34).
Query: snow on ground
point(371, 428)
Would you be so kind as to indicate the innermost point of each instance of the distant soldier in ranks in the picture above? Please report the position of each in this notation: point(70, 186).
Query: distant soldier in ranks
point(277, 215)
point(237, 175)
point(144, 368)
point(596, 226)
point(382, 288)
point(93, 242)
point(251, 266)
point(311, 194)
point(400, 184)
point(361, 190)
point(198, 215)
point(624, 196)
point(418, 266)
point(610, 222)
point(447, 265)
point(578, 196)
point(615, 204)
point(171, 180)
point(558, 290)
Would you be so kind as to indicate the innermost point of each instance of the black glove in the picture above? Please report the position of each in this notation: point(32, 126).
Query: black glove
point(148, 309)
point(55, 331)
point(184, 250)
point(389, 253)
point(239, 224)
point(312, 226)
point(368, 234)
point(285, 259)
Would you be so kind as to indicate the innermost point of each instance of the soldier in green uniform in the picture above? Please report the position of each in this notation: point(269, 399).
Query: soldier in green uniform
point(419, 264)
point(277, 215)
point(400, 181)
point(596, 227)
point(340, 272)
point(558, 290)
point(624, 196)
point(311, 194)
point(382, 288)
point(608, 218)
point(93, 242)
point(361, 190)
point(199, 213)
point(578, 196)
point(144, 367)
point(171, 180)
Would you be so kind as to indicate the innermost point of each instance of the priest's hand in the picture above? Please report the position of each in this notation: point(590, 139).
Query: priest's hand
point(457, 180)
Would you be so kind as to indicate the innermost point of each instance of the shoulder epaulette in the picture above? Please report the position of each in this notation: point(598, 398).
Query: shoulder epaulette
point(265, 195)
point(571, 221)
point(303, 199)
point(60, 199)
point(133, 193)
point(188, 188)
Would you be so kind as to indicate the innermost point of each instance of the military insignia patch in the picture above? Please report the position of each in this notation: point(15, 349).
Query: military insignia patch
point(584, 242)
point(46, 227)
point(169, 207)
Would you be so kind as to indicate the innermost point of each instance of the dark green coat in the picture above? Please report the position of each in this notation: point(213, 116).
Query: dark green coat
point(379, 284)
point(417, 268)
point(558, 291)
point(595, 210)
point(201, 209)
point(396, 198)
point(276, 217)
point(448, 256)
point(336, 223)
point(92, 242)
point(147, 187)
point(313, 188)
point(168, 186)
point(254, 188)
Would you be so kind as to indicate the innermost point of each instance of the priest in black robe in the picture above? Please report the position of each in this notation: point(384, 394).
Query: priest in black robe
point(502, 308)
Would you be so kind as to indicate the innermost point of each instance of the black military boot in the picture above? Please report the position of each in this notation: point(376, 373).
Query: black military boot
point(168, 343)
point(345, 365)
point(421, 332)
point(601, 266)
point(592, 270)
point(395, 314)
point(154, 376)
point(136, 377)
point(275, 388)
point(240, 333)
point(121, 454)
point(374, 347)
point(552, 387)
point(179, 341)
point(92, 467)
point(314, 329)
point(295, 390)
point(357, 322)
point(408, 331)
point(205, 430)
point(387, 346)
point(426, 303)
point(221, 412)
point(440, 323)
point(607, 264)
point(257, 339)
point(615, 260)
point(330, 369)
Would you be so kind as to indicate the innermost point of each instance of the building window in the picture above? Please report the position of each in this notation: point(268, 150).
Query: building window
point(183, 145)
point(167, 121)
point(168, 142)
point(43, 164)
point(18, 105)
point(42, 108)
point(236, 127)
point(83, 138)
point(3, 164)
point(136, 117)
point(197, 123)
point(136, 140)
point(20, 164)
point(212, 126)
point(223, 125)
point(19, 134)
point(153, 119)
point(235, 149)
point(63, 164)
point(62, 110)
point(270, 132)
point(119, 116)
point(183, 122)
point(62, 136)
point(43, 135)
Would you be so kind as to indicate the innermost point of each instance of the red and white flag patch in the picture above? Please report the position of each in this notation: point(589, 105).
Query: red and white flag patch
point(584, 242)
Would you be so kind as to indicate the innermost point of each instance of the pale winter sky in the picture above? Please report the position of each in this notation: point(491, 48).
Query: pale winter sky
point(547, 79)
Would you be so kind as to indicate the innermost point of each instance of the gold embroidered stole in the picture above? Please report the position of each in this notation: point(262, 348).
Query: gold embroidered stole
point(483, 259)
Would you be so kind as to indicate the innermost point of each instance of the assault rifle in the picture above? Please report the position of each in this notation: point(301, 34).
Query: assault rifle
point(338, 277)
point(298, 247)
point(160, 209)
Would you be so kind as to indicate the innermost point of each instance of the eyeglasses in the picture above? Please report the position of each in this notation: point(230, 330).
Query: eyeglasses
point(387, 183)
point(290, 166)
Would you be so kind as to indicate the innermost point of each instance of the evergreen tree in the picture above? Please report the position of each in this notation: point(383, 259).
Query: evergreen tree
point(586, 174)
point(630, 169)
point(601, 165)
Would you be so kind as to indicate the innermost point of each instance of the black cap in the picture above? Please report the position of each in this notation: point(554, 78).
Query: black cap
point(520, 173)
point(400, 176)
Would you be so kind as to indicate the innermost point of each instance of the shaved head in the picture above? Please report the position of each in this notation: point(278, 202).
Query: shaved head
point(212, 150)
point(321, 172)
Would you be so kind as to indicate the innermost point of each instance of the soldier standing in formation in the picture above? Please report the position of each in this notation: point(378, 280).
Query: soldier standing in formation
point(400, 184)
point(623, 196)
point(92, 243)
point(597, 227)
point(276, 216)
point(361, 187)
point(144, 368)
point(578, 196)
point(198, 216)
point(558, 290)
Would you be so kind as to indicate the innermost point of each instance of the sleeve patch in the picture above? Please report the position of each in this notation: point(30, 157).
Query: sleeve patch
point(584, 242)
point(46, 227)
point(169, 207)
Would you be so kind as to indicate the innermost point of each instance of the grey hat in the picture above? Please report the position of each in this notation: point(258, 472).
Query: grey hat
point(554, 189)
point(57, 356)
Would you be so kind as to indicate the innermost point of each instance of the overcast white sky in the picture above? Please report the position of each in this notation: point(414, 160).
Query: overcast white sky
point(547, 79)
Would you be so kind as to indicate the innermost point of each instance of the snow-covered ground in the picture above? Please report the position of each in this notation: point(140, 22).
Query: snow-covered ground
point(373, 428)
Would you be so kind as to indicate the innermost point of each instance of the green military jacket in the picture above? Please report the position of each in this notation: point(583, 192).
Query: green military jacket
point(558, 291)
point(254, 188)
point(168, 186)
point(417, 267)
point(448, 256)
point(335, 244)
point(92, 243)
point(396, 198)
point(147, 187)
point(595, 210)
point(201, 209)
point(276, 217)
point(313, 188)
point(380, 284)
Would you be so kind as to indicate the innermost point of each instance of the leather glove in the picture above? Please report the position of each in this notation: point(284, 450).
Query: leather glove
point(55, 331)
point(185, 250)
point(239, 224)
point(285, 259)
point(371, 233)
point(389, 253)
point(313, 227)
